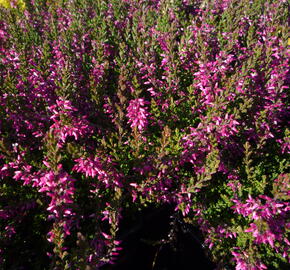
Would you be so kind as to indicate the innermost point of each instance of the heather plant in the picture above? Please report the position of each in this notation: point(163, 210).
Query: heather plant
point(110, 106)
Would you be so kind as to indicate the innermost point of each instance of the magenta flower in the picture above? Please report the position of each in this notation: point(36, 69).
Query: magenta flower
point(67, 123)
point(137, 114)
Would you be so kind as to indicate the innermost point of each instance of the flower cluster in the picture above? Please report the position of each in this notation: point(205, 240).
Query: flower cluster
point(66, 124)
point(137, 114)
point(268, 221)
point(103, 170)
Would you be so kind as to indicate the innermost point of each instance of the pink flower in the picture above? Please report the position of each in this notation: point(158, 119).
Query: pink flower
point(66, 123)
point(137, 114)
point(102, 169)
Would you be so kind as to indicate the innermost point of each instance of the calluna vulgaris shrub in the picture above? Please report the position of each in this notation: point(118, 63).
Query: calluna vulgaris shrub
point(108, 105)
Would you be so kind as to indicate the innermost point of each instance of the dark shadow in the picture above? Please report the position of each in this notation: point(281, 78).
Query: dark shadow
point(143, 248)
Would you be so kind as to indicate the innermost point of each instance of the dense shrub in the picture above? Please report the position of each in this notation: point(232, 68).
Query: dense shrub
point(110, 105)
